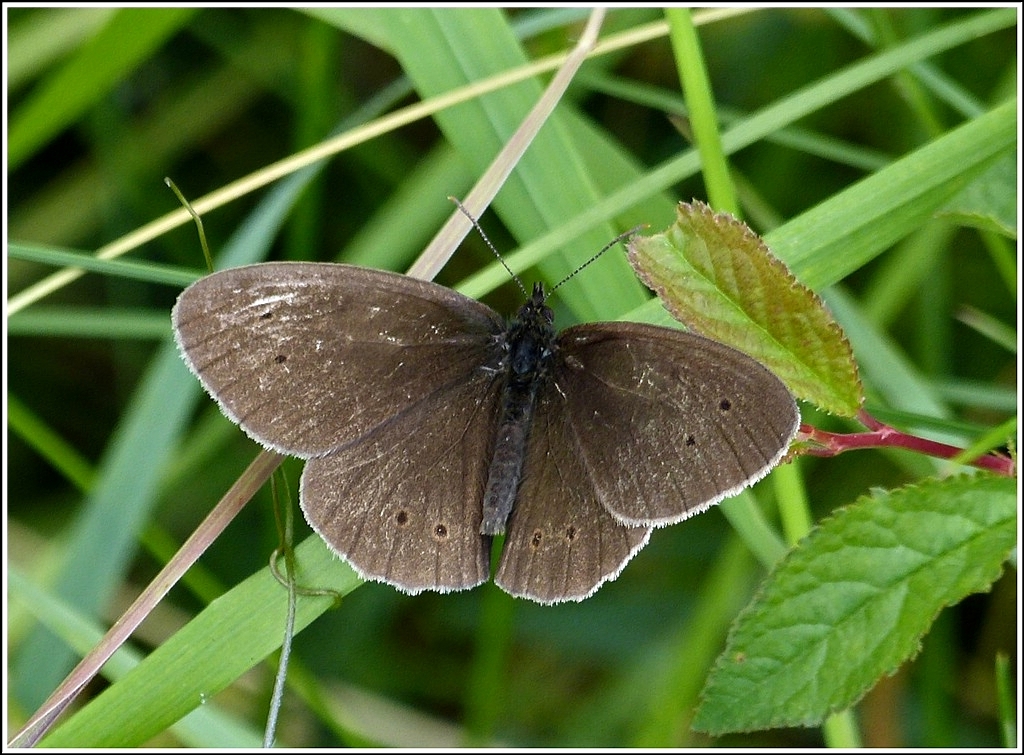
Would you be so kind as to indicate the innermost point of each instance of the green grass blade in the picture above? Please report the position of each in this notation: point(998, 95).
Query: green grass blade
point(128, 38)
point(131, 269)
point(840, 235)
point(206, 727)
point(102, 542)
point(231, 635)
point(700, 104)
point(61, 454)
point(441, 51)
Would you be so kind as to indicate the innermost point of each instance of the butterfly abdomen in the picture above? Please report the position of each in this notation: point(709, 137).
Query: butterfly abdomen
point(530, 347)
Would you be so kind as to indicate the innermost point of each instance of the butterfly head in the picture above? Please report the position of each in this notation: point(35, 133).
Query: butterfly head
point(535, 313)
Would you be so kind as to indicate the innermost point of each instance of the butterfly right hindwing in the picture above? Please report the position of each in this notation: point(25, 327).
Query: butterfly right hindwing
point(561, 543)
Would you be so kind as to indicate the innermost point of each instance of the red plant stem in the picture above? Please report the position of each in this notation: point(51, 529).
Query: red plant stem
point(882, 435)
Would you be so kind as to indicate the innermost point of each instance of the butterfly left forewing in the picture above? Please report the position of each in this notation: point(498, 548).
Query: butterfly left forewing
point(307, 357)
point(668, 422)
point(387, 384)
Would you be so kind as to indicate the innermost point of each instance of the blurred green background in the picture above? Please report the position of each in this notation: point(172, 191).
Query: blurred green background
point(103, 104)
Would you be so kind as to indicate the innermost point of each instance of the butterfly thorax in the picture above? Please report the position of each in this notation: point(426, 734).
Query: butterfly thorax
point(529, 343)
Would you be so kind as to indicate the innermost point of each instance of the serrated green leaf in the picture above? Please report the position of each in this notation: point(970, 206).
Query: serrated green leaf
point(851, 602)
point(717, 277)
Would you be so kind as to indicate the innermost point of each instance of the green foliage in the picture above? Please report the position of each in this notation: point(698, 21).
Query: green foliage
point(204, 657)
point(988, 201)
point(852, 602)
point(714, 274)
point(129, 37)
point(874, 150)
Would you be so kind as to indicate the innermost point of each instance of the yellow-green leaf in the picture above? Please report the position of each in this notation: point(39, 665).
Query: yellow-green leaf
point(717, 277)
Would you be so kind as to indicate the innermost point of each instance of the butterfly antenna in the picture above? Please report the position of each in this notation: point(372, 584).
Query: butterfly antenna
point(609, 245)
point(490, 245)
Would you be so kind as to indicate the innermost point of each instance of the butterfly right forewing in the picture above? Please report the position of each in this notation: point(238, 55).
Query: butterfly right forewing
point(668, 422)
